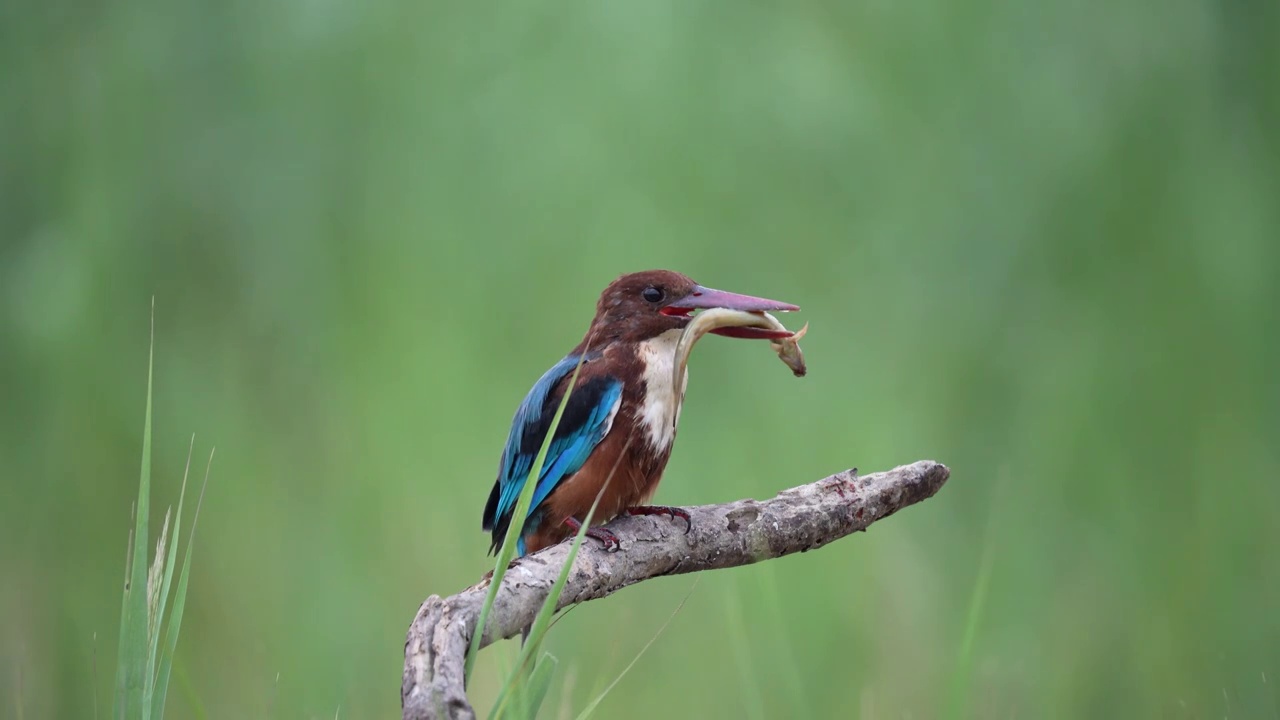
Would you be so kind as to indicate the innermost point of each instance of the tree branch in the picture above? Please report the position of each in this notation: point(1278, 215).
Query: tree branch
point(721, 536)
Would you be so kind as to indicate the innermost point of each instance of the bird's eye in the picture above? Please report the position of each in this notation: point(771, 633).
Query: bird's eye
point(653, 294)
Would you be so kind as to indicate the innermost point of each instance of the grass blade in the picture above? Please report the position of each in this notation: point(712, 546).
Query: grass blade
point(132, 669)
point(179, 598)
point(590, 708)
point(171, 556)
point(535, 691)
point(94, 676)
point(189, 694)
point(516, 527)
point(750, 699)
point(155, 608)
point(538, 630)
point(958, 697)
point(546, 614)
point(124, 617)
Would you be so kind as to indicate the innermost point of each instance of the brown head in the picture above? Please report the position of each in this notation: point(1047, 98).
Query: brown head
point(643, 305)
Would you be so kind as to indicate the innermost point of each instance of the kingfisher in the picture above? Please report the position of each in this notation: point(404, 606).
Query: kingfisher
point(618, 426)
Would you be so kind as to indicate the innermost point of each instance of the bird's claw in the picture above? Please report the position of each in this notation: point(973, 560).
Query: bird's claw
point(606, 538)
point(671, 512)
point(609, 540)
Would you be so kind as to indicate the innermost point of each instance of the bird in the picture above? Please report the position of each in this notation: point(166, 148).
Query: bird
point(619, 424)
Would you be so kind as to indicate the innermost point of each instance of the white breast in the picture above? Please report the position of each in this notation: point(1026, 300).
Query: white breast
point(660, 414)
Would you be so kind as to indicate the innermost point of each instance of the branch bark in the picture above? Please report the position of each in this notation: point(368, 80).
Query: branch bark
point(721, 536)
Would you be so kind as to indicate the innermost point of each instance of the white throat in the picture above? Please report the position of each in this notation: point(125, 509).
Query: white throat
point(660, 412)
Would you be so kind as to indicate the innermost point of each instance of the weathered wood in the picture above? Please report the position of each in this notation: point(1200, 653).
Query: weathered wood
point(720, 536)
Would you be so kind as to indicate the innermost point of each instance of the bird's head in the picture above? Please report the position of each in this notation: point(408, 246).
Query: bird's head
point(644, 305)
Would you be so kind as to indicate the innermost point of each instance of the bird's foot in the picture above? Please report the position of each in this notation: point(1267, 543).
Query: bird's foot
point(609, 540)
point(671, 512)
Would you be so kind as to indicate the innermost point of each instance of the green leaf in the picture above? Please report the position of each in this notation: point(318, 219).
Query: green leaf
point(124, 621)
point(538, 630)
point(590, 708)
point(159, 603)
point(515, 680)
point(539, 684)
point(131, 672)
point(155, 610)
point(193, 702)
point(516, 527)
point(959, 695)
point(180, 595)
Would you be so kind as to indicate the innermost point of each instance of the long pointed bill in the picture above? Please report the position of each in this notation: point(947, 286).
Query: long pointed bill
point(702, 298)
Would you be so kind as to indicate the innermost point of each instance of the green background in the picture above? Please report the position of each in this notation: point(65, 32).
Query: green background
point(1038, 242)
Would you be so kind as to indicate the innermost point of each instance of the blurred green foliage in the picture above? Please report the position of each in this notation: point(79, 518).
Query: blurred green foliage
point(1039, 242)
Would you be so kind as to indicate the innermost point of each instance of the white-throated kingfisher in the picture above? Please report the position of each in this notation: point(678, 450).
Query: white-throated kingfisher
point(619, 424)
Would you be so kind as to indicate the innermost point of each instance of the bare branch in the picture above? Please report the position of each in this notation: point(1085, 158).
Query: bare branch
point(721, 536)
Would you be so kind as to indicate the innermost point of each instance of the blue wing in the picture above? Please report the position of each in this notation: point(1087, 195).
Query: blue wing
point(586, 420)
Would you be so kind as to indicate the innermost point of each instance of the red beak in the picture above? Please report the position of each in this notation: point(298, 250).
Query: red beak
point(702, 298)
